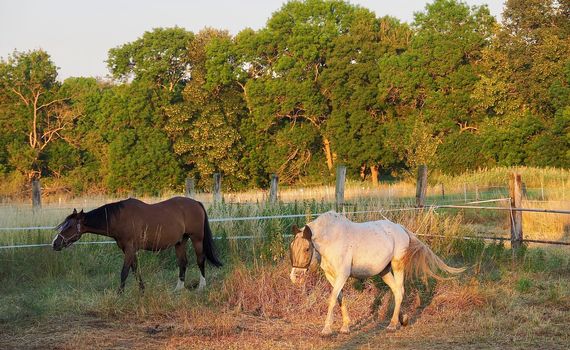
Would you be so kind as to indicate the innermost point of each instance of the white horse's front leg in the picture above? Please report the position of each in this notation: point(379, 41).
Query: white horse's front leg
point(337, 287)
point(345, 329)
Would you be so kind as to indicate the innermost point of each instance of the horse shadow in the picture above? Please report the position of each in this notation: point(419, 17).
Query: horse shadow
point(418, 296)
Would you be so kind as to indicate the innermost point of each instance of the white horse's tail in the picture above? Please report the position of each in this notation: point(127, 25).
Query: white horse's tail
point(420, 261)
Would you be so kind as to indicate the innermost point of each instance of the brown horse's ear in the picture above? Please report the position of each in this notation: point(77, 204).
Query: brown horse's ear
point(307, 233)
point(81, 214)
point(74, 211)
point(295, 229)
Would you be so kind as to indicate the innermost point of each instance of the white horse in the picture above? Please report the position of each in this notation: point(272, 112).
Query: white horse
point(362, 250)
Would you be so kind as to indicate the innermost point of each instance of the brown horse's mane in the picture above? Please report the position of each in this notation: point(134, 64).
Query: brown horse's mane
point(98, 218)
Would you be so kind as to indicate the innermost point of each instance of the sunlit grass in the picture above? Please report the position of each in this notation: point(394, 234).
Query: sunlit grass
point(38, 284)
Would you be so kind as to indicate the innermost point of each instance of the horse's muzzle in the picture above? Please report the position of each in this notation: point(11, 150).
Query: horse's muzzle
point(57, 243)
point(297, 275)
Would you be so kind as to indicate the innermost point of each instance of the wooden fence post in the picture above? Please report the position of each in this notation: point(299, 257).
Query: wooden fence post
point(36, 194)
point(515, 190)
point(273, 189)
point(421, 186)
point(465, 191)
point(217, 187)
point(442, 192)
point(477, 197)
point(339, 188)
point(189, 187)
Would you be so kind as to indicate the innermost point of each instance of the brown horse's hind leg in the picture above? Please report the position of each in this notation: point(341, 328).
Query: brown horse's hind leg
point(200, 260)
point(182, 259)
point(137, 273)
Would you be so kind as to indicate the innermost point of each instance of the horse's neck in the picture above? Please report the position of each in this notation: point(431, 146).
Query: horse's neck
point(327, 235)
point(99, 231)
point(98, 225)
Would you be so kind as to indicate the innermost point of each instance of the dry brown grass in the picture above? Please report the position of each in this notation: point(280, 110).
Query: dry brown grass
point(547, 226)
point(260, 309)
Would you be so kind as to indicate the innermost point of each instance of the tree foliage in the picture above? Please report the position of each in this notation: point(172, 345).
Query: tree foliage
point(324, 82)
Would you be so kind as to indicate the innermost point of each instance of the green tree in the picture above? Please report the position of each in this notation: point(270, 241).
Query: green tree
point(434, 79)
point(285, 61)
point(204, 125)
point(523, 88)
point(139, 157)
point(360, 125)
point(160, 57)
point(37, 113)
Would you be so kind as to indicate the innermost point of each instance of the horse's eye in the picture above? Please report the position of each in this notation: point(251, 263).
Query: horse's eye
point(307, 249)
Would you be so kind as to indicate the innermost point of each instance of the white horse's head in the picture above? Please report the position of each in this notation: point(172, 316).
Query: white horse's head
point(301, 251)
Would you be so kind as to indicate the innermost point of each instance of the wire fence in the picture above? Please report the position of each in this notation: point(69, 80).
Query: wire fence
point(468, 205)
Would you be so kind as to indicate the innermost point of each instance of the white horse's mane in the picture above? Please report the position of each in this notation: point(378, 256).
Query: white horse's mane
point(330, 216)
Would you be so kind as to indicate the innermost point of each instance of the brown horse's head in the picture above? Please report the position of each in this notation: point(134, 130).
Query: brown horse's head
point(301, 251)
point(69, 231)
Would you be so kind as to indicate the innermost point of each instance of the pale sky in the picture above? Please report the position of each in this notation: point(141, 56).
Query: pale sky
point(78, 34)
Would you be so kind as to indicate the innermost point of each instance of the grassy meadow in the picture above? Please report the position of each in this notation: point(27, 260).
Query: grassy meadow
point(68, 299)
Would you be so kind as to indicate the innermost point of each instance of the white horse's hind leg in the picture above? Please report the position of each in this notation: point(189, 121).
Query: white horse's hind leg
point(391, 280)
point(399, 277)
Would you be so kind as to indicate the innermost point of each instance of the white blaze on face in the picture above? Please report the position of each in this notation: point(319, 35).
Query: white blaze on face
point(53, 241)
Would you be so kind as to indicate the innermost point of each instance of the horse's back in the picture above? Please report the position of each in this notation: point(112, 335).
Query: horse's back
point(163, 223)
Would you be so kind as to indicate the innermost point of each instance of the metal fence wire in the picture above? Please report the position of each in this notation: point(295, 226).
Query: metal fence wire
point(434, 207)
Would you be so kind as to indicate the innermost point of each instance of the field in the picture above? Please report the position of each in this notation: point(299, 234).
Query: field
point(68, 299)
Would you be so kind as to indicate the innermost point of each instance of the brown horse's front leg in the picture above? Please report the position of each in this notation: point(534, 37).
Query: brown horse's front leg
point(127, 263)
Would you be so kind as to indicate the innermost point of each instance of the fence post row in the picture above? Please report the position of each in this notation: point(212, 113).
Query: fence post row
point(189, 187)
point(217, 187)
point(273, 189)
point(36, 194)
point(421, 186)
point(516, 194)
point(339, 188)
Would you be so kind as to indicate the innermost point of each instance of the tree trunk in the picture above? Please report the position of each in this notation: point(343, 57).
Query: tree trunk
point(374, 170)
point(363, 172)
point(328, 153)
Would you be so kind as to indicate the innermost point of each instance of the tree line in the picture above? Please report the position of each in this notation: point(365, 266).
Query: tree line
point(323, 83)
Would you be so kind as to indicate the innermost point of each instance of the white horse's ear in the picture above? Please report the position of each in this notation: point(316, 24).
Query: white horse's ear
point(307, 233)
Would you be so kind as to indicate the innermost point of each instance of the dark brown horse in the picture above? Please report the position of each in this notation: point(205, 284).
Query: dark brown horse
point(136, 225)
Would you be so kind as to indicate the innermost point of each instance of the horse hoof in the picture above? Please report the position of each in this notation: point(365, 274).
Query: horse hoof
point(345, 330)
point(404, 321)
point(392, 328)
point(179, 287)
point(326, 332)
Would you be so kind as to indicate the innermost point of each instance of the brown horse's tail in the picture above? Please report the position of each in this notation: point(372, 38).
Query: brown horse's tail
point(420, 261)
point(208, 242)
